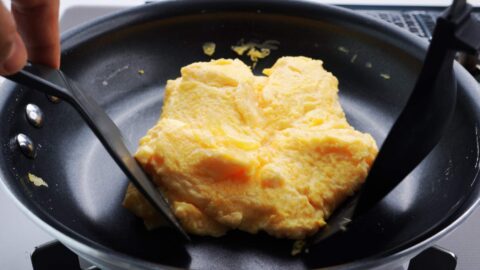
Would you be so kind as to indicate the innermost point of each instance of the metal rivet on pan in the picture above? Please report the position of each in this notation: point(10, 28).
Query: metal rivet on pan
point(34, 115)
point(26, 145)
point(54, 99)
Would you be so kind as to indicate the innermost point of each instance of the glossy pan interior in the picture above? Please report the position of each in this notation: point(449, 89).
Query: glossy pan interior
point(376, 65)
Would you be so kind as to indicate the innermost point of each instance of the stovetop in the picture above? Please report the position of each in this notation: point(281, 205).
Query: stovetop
point(20, 237)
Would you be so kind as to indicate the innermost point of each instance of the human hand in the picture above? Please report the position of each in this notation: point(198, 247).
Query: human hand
point(29, 31)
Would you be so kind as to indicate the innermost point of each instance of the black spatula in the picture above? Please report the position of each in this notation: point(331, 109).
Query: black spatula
point(54, 82)
point(422, 122)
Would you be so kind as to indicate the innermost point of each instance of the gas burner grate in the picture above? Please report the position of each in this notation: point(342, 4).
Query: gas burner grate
point(54, 255)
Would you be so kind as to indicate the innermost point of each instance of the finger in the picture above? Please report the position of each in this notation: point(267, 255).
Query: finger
point(12, 50)
point(37, 23)
point(17, 58)
point(7, 33)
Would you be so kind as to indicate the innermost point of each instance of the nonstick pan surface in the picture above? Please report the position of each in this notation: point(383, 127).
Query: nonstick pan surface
point(376, 65)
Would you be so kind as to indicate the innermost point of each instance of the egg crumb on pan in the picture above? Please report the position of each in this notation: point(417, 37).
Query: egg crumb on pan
point(209, 48)
point(37, 181)
point(254, 50)
point(271, 153)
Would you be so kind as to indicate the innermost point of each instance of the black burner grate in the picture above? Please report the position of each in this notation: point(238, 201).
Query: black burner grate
point(55, 256)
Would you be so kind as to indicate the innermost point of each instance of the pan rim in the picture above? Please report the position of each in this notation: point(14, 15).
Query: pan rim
point(78, 242)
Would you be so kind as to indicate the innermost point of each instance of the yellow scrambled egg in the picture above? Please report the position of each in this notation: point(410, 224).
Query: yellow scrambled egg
point(237, 151)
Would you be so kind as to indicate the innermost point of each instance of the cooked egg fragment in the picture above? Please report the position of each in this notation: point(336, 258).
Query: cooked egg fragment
point(37, 181)
point(209, 48)
point(270, 153)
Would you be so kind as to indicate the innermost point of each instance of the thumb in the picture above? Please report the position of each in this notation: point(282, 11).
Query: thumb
point(13, 54)
point(16, 59)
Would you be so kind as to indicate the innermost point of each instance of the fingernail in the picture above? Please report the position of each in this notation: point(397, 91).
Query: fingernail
point(17, 58)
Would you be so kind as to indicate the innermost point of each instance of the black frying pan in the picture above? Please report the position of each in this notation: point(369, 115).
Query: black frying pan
point(82, 205)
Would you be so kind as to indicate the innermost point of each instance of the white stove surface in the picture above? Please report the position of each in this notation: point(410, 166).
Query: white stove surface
point(19, 235)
